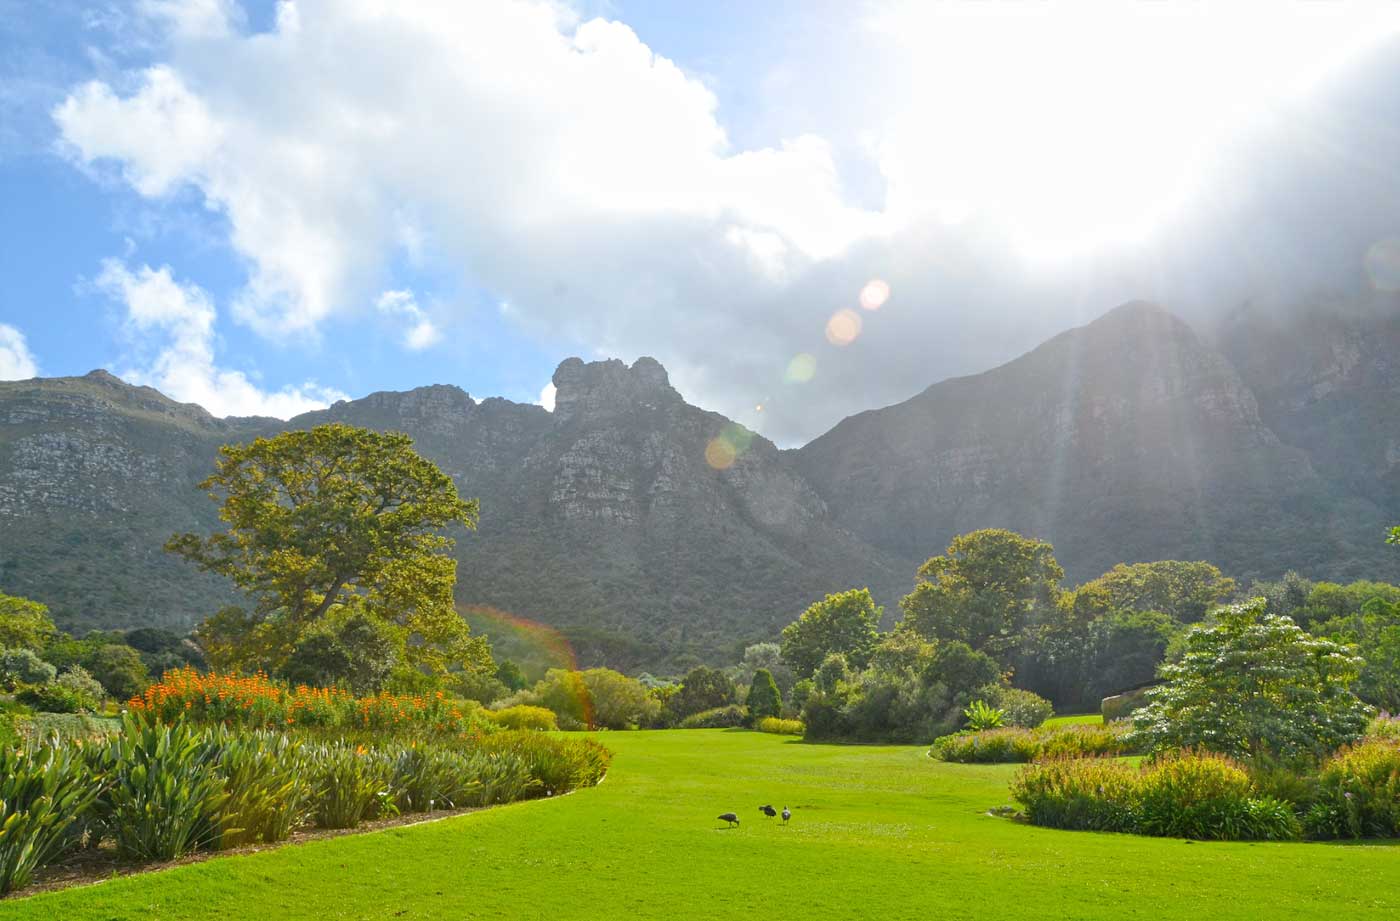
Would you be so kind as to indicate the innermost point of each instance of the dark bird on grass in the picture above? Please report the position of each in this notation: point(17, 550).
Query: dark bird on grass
point(731, 818)
point(787, 814)
point(768, 811)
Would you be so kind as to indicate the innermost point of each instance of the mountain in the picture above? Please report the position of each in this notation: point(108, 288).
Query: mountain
point(1327, 376)
point(654, 534)
point(602, 519)
point(1127, 439)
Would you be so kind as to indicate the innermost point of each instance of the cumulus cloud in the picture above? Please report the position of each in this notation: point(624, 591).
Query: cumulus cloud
point(177, 321)
point(16, 361)
point(591, 183)
point(547, 393)
point(420, 332)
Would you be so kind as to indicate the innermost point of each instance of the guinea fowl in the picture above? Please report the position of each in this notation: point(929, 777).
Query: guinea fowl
point(731, 818)
point(787, 814)
point(768, 811)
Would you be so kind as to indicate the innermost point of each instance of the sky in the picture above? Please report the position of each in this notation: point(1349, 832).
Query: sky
point(802, 209)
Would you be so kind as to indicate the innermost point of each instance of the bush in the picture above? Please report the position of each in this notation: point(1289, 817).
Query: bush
point(23, 666)
point(1019, 707)
point(428, 777)
point(268, 791)
point(717, 718)
point(1384, 727)
point(257, 702)
point(524, 716)
point(780, 726)
point(1011, 745)
point(1091, 794)
point(764, 699)
point(351, 782)
point(1197, 795)
point(74, 691)
point(1194, 795)
point(163, 795)
point(43, 793)
point(1358, 793)
point(980, 715)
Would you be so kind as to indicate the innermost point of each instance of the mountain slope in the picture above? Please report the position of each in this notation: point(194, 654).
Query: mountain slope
point(1127, 439)
point(602, 518)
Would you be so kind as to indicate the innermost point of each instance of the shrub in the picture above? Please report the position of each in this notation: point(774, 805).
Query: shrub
point(1384, 727)
point(1019, 707)
point(1248, 682)
point(1194, 795)
point(1358, 793)
point(1092, 794)
point(524, 716)
point(717, 718)
point(1197, 795)
point(351, 783)
point(69, 727)
point(268, 792)
point(428, 777)
point(557, 765)
point(163, 795)
point(74, 691)
point(257, 702)
point(23, 666)
point(781, 727)
point(764, 700)
point(43, 792)
point(981, 715)
point(1012, 744)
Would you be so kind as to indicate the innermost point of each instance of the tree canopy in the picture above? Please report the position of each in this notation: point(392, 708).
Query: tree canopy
point(1251, 682)
point(24, 624)
point(332, 517)
point(984, 590)
point(844, 623)
point(1183, 591)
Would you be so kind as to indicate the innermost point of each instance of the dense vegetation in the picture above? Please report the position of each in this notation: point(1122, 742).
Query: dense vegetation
point(645, 845)
point(158, 791)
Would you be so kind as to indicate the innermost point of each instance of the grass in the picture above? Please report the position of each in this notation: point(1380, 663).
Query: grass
point(877, 831)
point(1075, 719)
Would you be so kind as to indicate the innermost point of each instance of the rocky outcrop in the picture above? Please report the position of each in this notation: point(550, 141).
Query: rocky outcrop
point(1128, 439)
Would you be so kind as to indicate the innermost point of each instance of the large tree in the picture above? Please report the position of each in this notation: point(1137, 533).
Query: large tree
point(1251, 682)
point(329, 517)
point(1185, 591)
point(24, 624)
point(985, 590)
point(843, 623)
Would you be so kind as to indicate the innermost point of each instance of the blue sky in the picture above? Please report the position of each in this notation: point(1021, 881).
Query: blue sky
point(263, 207)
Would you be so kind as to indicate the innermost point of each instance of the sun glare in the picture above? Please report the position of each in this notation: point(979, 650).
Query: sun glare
point(1074, 125)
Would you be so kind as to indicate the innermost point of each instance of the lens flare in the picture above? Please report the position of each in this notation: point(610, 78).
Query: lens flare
point(802, 368)
point(724, 449)
point(843, 327)
point(874, 294)
point(1383, 264)
point(530, 641)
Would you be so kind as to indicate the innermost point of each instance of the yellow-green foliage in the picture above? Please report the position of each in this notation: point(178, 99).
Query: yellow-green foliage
point(1015, 745)
point(1358, 793)
point(524, 716)
point(1192, 794)
point(781, 727)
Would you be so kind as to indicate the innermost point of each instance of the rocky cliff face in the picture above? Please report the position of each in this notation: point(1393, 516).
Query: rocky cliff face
point(1128, 439)
point(603, 518)
point(1327, 376)
point(654, 533)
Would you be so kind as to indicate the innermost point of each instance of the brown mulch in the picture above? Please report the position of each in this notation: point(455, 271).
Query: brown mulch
point(96, 865)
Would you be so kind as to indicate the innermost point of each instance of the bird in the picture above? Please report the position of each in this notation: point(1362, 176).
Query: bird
point(787, 814)
point(731, 818)
point(768, 811)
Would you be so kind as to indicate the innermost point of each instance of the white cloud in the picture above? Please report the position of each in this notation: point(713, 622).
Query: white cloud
point(179, 319)
point(590, 184)
point(16, 361)
point(547, 396)
point(421, 332)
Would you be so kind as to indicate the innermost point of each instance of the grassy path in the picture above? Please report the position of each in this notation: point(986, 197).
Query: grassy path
point(877, 832)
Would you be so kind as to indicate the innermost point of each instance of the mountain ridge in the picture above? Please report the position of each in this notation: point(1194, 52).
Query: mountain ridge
point(615, 520)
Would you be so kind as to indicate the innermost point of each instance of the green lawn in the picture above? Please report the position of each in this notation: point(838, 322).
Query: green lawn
point(877, 832)
point(1076, 719)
